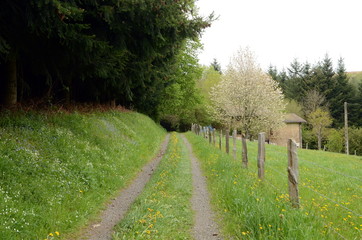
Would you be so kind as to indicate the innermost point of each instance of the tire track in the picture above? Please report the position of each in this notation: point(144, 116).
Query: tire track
point(205, 227)
point(116, 210)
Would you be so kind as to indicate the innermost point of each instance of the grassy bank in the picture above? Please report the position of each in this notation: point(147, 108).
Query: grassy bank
point(56, 170)
point(163, 210)
point(330, 191)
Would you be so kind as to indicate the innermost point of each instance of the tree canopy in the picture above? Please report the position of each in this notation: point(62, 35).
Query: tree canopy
point(93, 51)
point(320, 85)
point(247, 98)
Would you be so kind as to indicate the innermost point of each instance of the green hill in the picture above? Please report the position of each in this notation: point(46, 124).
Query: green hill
point(57, 169)
point(355, 78)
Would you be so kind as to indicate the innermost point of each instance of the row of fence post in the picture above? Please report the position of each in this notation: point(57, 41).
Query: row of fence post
point(292, 169)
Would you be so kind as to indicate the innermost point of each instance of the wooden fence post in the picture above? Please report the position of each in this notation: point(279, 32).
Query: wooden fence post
point(213, 136)
point(244, 152)
point(209, 130)
point(227, 140)
point(234, 143)
point(261, 155)
point(220, 137)
point(293, 173)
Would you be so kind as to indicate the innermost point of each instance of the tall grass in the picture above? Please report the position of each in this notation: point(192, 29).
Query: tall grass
point(163, 210)
point(57, 170)
point(330, 191)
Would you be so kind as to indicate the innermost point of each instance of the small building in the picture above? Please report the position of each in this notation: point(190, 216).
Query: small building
point(292, 128)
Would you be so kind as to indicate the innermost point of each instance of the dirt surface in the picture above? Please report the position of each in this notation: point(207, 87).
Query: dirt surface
point(116, 210)
point(205, 227)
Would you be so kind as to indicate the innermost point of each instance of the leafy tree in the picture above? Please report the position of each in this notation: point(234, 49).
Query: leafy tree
point(335, 140)
point(181, 99)
point(319, 119)
point(312, 101)
point(247, 98)
point(355, 140)
point(210, 78)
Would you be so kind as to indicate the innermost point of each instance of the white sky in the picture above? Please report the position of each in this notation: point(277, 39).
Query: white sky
point(280, 30)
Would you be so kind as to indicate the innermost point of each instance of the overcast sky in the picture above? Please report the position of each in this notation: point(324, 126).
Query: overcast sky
point(280, 30)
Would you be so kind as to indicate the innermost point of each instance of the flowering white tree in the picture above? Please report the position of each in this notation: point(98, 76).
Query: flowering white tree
point(247, 98)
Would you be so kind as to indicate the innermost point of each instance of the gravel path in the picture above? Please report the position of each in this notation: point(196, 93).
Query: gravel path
point(116, 210)
point(205, 227)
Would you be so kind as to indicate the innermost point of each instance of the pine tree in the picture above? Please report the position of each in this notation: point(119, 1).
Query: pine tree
point(340, 93)
point(216, 65)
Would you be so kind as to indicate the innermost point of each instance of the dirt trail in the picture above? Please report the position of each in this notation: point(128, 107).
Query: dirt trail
point(205, 227)
point(116, 210)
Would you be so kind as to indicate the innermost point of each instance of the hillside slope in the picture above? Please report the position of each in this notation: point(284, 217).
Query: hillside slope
point(355, 78)
point(57, 170)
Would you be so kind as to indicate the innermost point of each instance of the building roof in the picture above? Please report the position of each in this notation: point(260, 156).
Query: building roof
point(293, 118)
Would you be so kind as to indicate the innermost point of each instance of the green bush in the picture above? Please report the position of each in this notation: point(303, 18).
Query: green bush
point(355, 140)
point(335, 140)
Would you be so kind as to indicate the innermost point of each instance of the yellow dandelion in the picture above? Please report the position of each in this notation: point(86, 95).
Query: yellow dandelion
point(57, 233)
point(51, 234)
point(260, 227)
point(244, 233)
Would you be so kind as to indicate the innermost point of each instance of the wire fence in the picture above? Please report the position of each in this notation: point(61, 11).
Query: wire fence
point(275, 175)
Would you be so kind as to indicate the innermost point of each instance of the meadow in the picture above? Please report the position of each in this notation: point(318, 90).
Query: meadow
point(58, 169)
point(330, 190)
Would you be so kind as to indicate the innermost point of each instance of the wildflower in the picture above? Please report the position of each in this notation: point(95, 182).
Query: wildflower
point(148, 231)
point(261, 227)
point(283, 210)
point(235, 182)
point(51, 234)
point(150, 209)
point(57, 233)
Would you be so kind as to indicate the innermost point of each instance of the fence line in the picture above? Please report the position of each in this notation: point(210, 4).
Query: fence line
point(283, 155)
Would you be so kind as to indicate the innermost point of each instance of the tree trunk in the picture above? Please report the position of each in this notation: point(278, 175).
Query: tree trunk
point(10, 83)
point(68, 89)
point(319, 135)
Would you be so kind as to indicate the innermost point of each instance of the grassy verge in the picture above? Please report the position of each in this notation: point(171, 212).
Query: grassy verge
point(163, 210)
point(252, 209)
point(57, 170)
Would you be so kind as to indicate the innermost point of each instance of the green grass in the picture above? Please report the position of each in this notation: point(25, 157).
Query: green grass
point(330, 191)
point(57, 170)
point(163, 210)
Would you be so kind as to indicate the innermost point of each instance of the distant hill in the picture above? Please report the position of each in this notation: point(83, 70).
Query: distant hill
point(355, 78)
